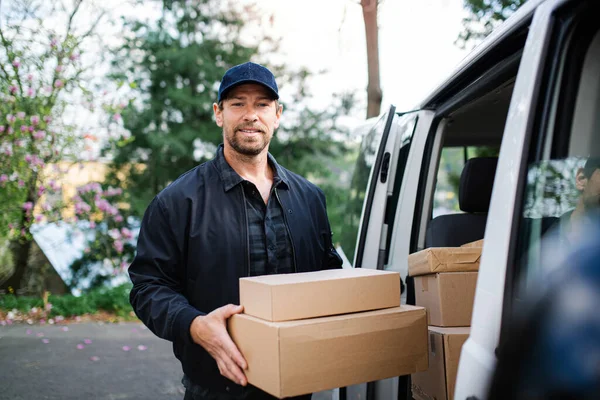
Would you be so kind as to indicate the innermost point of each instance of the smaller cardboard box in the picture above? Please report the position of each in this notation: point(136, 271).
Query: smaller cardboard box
point(444, 259)
point(448, 297)
point(438, 382)
point(293, 358)
point(477, 243)
point(288, 297)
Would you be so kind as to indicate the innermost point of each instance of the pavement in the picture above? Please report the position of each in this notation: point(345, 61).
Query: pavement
point(89, 361)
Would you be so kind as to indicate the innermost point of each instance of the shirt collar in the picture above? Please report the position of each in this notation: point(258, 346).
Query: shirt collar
point(230, 178)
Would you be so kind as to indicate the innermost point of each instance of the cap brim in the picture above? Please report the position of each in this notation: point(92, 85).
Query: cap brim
point(228, 88)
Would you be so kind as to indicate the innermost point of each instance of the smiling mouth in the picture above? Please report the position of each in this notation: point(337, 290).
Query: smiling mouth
point(250, 131)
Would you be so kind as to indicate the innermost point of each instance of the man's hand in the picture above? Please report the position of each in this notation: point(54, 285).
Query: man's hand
point(210, 332)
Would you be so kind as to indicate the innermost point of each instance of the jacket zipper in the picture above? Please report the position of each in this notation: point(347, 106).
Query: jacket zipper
point(247, 236)
point(288, 229)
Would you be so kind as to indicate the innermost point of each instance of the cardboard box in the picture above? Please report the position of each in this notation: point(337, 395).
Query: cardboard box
point(444, 259)
point(299, 357)
point(438, 382)
point(448, 297)
point(477, 243)
point(288, 297)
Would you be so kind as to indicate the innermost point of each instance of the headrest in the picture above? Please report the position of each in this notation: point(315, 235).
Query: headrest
point(476, 182)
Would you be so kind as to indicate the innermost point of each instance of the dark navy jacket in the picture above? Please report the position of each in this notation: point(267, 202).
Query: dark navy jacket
point(193, 248)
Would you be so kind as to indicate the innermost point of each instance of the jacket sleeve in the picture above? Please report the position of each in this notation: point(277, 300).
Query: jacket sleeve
point(332, 259)
point(157, 275)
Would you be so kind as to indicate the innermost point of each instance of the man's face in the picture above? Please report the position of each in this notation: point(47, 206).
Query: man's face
point(249, 118)
point(590, 189)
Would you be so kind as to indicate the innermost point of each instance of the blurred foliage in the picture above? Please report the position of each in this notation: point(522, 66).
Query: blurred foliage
point(483, 16)
point(113, 300)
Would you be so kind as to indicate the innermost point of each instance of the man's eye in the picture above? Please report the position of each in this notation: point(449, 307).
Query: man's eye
point(263, 105)
point(236, 104)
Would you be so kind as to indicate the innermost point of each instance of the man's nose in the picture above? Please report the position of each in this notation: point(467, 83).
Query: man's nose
point(250, 114)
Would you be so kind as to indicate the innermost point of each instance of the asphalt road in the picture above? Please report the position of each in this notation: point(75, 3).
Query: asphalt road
point(89, 361)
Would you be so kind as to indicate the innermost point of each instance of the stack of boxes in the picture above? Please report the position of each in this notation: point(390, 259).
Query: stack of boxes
point(445, 281)
point(308, 332)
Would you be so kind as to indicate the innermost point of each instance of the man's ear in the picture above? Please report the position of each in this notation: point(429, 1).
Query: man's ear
point(218, 115)
point(278, 114)
point(580, 180)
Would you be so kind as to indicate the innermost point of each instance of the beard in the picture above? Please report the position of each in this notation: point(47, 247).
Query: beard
point(248, 146)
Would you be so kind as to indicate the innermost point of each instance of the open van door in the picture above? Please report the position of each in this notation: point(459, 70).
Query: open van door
point(390, 158)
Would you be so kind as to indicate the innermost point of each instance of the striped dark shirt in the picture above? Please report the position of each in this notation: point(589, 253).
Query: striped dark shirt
point(271, 250)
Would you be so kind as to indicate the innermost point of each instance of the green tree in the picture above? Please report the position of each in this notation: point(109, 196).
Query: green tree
point(172, 68)
point(483, 16)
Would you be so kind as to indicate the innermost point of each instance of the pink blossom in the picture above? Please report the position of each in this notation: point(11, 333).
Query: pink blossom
point(92, 225)
point(87, 250)
point(124, 265)
point(46, 207)
point(58, 83)
point(11, 226)
point(35, 119)
point(45, 341)
point(55, 186)
point(74, 56)
point(141, 347)
point(126, 348)
point(23, 233)
point(117, 117)
point(21, 115)
point(28, 206)
point(29, 77)
point(21, 183)
point(53, 43)
point(16, 64)
point(30, 92)
point(82, 207)
point(47, 119)
point(29, 331)
point(59, 68)
point(41, 191)
point(24, 128)
point(127, 234)
point(28, 158)
point(95, 358)
point(13, 89)
point(87, 341)
point(10, 130)
point(48, 306)
point(31, 128)
point(48, 89)
point(2, 128)
point(80, 346)
point(119, 218)
point(38, 218)
point(10, 118)
point(39, 135)
point(20, 143)
point(3, 178)
point(118, 245)
point(115, 234)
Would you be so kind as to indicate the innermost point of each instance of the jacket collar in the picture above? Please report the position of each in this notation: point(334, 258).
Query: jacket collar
point(230, 178)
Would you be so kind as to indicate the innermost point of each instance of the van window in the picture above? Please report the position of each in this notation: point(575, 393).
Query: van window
point(359, 186)
point(562, 185)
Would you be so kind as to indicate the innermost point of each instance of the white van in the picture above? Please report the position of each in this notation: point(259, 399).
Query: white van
point(530, 95)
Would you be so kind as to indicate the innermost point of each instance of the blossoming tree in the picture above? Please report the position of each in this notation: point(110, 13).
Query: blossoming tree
point(42, 85)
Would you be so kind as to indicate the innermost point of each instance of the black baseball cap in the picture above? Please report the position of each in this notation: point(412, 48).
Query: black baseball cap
point(248, 73)
point(592, 164)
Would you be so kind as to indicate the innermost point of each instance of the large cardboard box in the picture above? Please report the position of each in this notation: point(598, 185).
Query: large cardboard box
point(299, 357)
point(289, 297)
point(448, 297)
point(444, 259)
point(438, 382)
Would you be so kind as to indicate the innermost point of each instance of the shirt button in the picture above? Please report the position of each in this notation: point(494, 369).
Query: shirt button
point(227, 388)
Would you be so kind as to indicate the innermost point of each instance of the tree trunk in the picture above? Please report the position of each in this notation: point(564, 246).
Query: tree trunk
point(20, 252)
point(374, 92)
